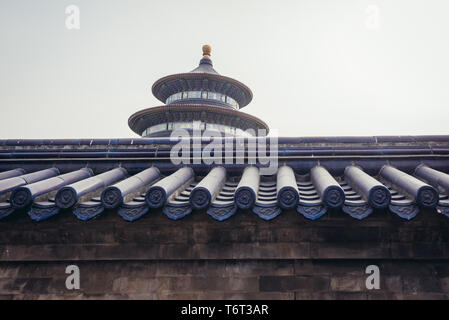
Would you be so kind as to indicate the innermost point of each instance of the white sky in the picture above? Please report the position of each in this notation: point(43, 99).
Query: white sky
point(316, 68)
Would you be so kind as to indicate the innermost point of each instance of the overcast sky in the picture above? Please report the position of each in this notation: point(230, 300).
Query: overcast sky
point(316, 68)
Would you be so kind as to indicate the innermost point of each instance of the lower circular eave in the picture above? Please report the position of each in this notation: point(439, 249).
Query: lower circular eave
point(143, 119)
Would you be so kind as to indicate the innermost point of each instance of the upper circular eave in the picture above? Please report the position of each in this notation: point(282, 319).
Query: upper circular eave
point(172, 84)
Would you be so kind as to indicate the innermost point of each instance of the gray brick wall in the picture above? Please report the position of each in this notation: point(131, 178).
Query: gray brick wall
point(242, 258)
point(231, 279)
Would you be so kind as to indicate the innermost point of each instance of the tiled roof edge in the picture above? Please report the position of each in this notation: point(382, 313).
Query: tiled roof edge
point(374, 140)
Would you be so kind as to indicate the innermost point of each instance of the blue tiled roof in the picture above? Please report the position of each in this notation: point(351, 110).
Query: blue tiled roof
point(134, 177)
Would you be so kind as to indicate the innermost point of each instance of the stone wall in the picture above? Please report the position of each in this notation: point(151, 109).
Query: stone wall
point(241, 258)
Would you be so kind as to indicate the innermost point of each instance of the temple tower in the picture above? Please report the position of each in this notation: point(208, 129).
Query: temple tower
point(201, 99)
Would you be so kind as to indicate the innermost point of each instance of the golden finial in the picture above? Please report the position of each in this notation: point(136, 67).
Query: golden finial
point(206, 51)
